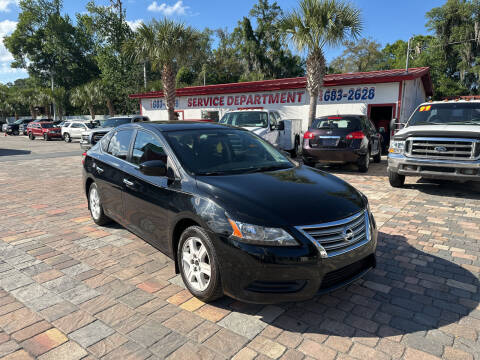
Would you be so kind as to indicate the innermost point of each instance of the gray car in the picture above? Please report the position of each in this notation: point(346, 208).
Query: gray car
point(91, 137)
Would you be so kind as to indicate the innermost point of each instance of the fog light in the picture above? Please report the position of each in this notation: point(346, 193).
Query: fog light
point(469, 171)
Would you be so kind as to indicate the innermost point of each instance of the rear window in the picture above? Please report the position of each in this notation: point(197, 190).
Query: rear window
point(246, 119)
point(337, 122)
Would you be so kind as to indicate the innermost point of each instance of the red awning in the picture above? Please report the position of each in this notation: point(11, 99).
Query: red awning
point(371, 77)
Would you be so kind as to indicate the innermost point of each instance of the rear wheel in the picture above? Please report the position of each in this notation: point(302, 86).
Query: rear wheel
point(45, 137)
point(198, 264)
point(31, 137)
point(309, 163)
point(296, 149)
point(67, 137)
point(396, 180)
point(95, 206)
point(378, 158)
point(364, 162)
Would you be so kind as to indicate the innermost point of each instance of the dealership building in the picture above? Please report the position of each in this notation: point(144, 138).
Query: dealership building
point(381, 95)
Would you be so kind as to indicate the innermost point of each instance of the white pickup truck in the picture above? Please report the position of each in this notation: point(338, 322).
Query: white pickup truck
point(441, 140)
point(285, 134)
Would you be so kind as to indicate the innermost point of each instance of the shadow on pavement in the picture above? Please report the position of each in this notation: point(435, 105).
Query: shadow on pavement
point(12, 152)
point(466, 190)
point(409, 292)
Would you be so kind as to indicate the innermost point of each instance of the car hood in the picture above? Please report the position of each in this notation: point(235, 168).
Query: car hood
point(297, 196)
point(256, 130)
point(93, 131)
point(461, 131)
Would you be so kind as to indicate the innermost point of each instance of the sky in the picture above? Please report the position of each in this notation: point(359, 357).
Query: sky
point(384, 21)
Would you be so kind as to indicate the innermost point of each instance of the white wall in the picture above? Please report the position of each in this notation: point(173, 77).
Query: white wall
point(292, 104)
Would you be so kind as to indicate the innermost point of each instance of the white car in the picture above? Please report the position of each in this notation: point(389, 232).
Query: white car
point(74, 129)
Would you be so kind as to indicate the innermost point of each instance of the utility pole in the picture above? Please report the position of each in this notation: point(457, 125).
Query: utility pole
point(408, 55)
point(145, 75)
point(53, 103)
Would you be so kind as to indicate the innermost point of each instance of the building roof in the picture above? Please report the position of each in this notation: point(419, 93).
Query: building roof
point(371, 77)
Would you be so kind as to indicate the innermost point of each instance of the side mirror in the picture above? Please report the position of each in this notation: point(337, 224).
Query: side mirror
point(153, 168)
point(281, 126)
point(273, 127)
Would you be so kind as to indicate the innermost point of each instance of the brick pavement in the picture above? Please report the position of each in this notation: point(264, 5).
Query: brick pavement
point(72, 290)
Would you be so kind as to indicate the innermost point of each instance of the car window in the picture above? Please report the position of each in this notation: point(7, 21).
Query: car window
point(106, 140)
point(147, 147)
point(47, 126)
point(273, 118)
point(77, 126)
point(120, 144)
point(246, 119)
point(337, 122)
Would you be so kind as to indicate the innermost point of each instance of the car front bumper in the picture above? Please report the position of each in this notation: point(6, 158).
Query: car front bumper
point(276, 274)
point(434, 169)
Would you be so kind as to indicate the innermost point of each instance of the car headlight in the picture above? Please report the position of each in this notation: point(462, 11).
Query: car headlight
point(260, 235)
point(397, 147)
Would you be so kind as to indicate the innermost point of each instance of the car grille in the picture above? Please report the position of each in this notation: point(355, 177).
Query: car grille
point(97, 137)
point(443, 148)
point(338, 237)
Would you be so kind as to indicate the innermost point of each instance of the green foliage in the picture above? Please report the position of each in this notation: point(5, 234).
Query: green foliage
point(361, 56)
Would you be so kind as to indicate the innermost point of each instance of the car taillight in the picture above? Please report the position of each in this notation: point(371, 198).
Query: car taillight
point(308, 135)
point(84, 155)
point(355, 135)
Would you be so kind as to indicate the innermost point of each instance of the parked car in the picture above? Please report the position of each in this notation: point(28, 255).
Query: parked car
point(74, 129)
point(23, 127)
point(342, 139)
point(14, 129)
point(45, 130)
point(5, 124)
point(285, 134)
point(441, 140)
point(235, 215)
point(92, 136)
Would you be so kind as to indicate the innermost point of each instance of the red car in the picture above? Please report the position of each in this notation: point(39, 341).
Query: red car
point(43, 129)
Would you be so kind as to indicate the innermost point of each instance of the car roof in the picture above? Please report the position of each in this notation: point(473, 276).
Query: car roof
point(165, 126)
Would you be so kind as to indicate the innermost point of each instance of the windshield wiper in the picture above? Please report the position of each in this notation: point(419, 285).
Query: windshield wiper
point(427, 123)
point(465, 123)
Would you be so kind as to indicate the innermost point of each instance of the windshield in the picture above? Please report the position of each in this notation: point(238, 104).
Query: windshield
point(224, 151)
point(246, 119)
point(47, 126)
point(90, 125)
point(446, 113)
point(350, 123)
point(116, 122)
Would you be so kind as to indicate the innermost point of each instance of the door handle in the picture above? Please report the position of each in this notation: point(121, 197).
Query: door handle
point(128, 183)
point(99, 169)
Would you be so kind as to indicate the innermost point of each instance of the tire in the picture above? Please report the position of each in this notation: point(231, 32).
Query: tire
point(364, 162)
point(16, 133)
point(396, 180)
point(204, 287)
point(67, 137)
point(31, 137)
point(45, 137)
point(95, 206)
point(296, 149)
point(378, 158)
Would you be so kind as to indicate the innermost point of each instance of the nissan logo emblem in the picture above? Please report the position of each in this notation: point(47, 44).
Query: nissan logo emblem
point(440, 149)
point(348, 235)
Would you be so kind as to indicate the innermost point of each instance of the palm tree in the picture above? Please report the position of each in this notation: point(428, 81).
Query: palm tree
point(104, 95)
point(166, 43)
point(86, 97)
point(139, 48)
point(59, 98)
point(315, 25)
point(43, 99)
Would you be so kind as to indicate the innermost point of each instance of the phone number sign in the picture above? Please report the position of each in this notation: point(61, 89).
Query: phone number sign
point(358, 94)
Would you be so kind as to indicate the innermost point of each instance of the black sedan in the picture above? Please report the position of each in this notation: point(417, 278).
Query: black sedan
point(236, 216)
point(342, 139)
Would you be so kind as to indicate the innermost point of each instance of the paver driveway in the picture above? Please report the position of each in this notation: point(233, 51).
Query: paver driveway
point(72, 290)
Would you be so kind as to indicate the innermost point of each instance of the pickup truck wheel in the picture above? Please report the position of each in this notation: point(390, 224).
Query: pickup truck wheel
point(296, 149)
point(95, 206)
point(378, 158)
point(364, 162)
point(198, 264)
point(31, 137)
point(396, 180)
point(67, 137)
point(309, 163)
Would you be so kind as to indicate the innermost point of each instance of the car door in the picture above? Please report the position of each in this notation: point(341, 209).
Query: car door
point(37, 130)
point(110, 169)
point(147, 198)
point(76, 130)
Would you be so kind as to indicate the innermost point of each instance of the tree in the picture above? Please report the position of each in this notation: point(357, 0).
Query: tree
point(43, 99)
point(168, 43)
point(86, 97)
point(316, 24)
point(361, 56)
point(59, 97)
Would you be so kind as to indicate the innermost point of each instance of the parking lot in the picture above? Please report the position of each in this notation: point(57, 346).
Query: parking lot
point(73, 290)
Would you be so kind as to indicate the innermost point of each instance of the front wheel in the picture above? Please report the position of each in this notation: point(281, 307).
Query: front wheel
point(364, 162)
point(198, 264)
point(67, 137)
point(396, 180)
point(31, 137)
point(95, 206)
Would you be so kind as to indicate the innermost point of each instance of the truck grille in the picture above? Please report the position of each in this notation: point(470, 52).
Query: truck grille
point(97, 137)
point(443, 148)
point(341, 236)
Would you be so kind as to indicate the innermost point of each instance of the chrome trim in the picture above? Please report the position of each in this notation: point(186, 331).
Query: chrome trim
point(473, 146)
point(331, 253)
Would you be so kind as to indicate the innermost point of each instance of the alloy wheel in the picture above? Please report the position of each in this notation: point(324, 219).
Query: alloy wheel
point(196, 263)
point(95, 203)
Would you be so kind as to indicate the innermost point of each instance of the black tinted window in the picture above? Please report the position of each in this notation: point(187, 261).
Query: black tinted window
point(446, 113)
point(147, 147)
point(106, 140)
point(120, 143)
point(338, 122)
